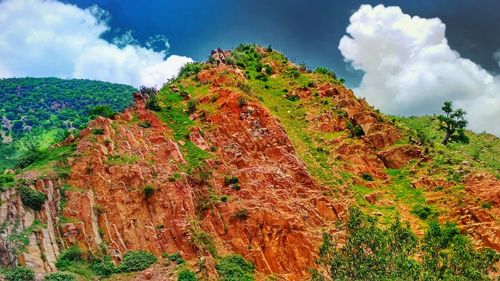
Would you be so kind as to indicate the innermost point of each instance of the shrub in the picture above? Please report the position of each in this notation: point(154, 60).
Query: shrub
point(60, 276)
point(242, 101)
point(186, 275)
point(268, 69)
point(235, 267)
point(68, 257)
point(152, 103)
point(236, 186)
point(20, 273)
point(241, 214)
point(191, 106)
point(148, 191)
point(175, 257)
point(32, 198)
point(102, 110)
point(354, 130)
point(103, 267)
point(32, 154)
point(224, 198)
point(189, 69)
point(145, 124)
point(326, 71)
point(136, 261)
point(98, 131)
point(367, 177)
point(230, 180)
point(423, 212)
point(292, 72)
point(373, 253)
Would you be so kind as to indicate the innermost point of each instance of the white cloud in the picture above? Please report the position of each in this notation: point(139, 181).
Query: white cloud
point(43, 38)
point(410, 68)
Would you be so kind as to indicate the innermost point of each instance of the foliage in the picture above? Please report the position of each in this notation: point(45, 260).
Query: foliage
point(148, 191)
point(325, 71)
point(98, 131)
point(21, 239)
point(136, 261)
point(186, 275)
point(102, 110)
point(371, 252)
point(453, 123)
point(103, 266)
point(32, 198)
point(189, 69)
point(367, 177)
point(235, 268)
point(175, 257)
point(60, 276)
point(355, 130)
point(422, 212)
point(191, 107)
point(230, 180)
point(68, 257)
point(20, 273)
point(47, 108)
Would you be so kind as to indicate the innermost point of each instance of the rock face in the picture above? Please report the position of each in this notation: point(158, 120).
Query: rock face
point(399, 156)
point(38, 228)
point(269, 220)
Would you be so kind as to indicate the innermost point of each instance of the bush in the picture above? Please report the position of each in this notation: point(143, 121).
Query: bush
point(20, 273)
point(292, 72)
point(242, 101)
point(241, 214)
point(191, 107)
point(68, 257)
point(367, 177)
point(60, 276)
point(148, 191)
point(175, 257)
point(423, 212)
point(235, 267)
point(136, 261)
point(102, 110)
point(373, 253)
point(230, 180)
point(103, 267)
point(189, 69)
point(326, 71)
point(152, 103)
point(145, 124)
point(186, 275)
point(354, 130)
point(32, 198)
point(98, 131)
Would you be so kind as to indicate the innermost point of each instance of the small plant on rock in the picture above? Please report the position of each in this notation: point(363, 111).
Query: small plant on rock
point(136, 261)
point(20, 273)
point(32, 198)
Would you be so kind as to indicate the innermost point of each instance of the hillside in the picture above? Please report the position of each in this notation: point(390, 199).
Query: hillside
point(36, 112)
point(250, 167)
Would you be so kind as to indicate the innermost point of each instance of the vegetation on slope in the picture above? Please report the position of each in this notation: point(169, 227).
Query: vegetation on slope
point(36, 112)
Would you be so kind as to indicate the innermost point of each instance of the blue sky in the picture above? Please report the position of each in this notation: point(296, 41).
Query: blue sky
point(307, 31)
point(404, 57)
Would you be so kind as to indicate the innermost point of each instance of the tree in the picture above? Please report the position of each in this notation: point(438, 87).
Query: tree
point(453, 124)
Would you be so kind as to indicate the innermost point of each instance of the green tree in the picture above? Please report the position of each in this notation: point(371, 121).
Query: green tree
point(453, 123)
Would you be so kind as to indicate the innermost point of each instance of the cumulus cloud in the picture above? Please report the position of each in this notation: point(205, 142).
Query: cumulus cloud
point(43, 38)
point(409, 68)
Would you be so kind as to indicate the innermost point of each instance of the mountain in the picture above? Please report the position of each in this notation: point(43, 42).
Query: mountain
point(36, 112)
point(250, 167)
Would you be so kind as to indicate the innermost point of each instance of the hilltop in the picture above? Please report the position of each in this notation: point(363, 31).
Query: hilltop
point(249, 166)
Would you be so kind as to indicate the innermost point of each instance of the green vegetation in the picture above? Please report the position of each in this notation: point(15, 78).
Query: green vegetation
point(20, 240)
point(175, 257)
point(32, 198)
point(148, 191)
point(20, 273)
point(37, 112)
point(136, 261)
point(374, 253)
point(60, 276)
point(453, 124)
point(235, 268)
point(186, 275)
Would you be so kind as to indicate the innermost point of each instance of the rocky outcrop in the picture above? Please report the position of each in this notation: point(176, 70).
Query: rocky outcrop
point(38, 229)
point(269, 219)
point(397, 157)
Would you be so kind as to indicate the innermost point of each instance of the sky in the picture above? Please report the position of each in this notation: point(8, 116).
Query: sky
point(404, 57)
